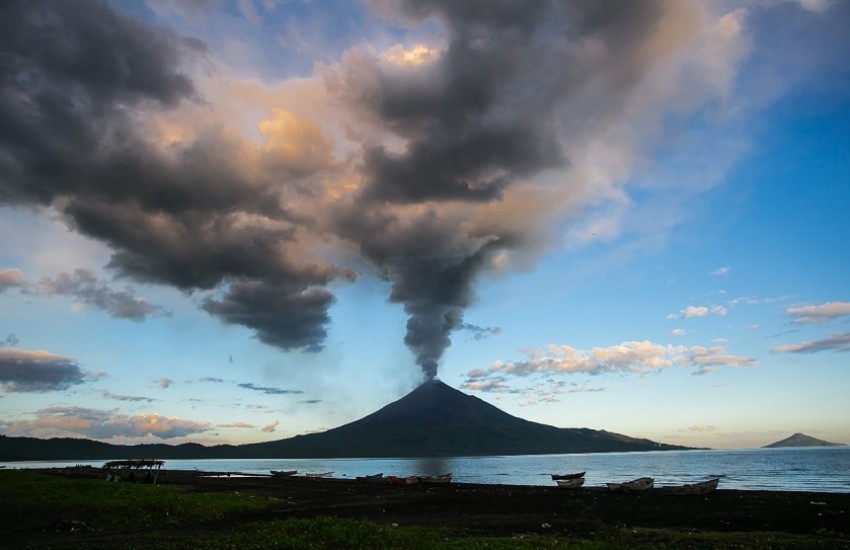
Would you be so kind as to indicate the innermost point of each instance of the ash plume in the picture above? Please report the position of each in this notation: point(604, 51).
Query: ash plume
point(431, 172)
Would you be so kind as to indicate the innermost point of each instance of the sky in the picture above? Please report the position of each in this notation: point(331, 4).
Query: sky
point(233, 221)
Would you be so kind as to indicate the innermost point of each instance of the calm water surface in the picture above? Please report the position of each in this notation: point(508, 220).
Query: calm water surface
point(824, 469)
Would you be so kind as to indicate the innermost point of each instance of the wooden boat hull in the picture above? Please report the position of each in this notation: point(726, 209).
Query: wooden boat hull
point(700, 488)
point(576, 475)
point(635, 485)
point(376, 478)
point(287, 473)
point(436, 480)
point(574, 483)
point(409, 480)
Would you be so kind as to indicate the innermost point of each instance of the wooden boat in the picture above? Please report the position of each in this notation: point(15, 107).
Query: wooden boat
point(700, 488)
point(573, 483)
point(639, 484)
point(436, 480)
point(375, 478)
point(320, 476)
point(567, 476)
point(284, 473)
point(409, 480)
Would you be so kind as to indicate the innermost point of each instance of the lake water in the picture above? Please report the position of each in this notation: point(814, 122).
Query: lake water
point(825, 469)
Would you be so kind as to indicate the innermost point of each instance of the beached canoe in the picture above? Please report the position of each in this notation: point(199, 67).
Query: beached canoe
point(574, 483)
point(567, 476)
point(700, 488)
point(639, 484)
point(374, 478)
point(409, 480)
point(436, 480)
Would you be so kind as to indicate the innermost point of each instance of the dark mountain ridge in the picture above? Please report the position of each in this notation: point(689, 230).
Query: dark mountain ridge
point(432, 420)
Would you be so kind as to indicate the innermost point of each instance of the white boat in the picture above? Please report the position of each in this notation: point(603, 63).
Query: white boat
point(639, 484)
point(573, 483)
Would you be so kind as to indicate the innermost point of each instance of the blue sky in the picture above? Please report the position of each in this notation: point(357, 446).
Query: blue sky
point(239, 221)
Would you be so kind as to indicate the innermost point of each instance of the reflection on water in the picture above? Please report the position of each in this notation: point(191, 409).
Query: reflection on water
point(433, 466)
point(800, 469)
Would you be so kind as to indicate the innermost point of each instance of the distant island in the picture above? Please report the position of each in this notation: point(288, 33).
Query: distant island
point(802, 440)
point(432, 420)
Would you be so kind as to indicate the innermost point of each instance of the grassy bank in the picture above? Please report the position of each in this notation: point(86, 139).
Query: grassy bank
point(52, 511)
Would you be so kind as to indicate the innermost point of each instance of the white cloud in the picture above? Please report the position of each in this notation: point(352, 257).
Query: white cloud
point(694, 312)
point(721, 271)
point(678, 332)
point(632, 357)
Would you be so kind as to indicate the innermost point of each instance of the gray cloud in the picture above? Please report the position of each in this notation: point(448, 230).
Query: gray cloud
point(10, 278)
point(268, 390)
point(130, 398)
point(85, 287)
point(484, 117)
point(101, 424)
point(835, 342)
point(11, 340)
point(38, 371)
point(73, 138)
point(479, 333)
point(437, 187)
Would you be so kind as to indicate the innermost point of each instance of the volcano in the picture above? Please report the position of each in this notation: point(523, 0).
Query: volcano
point(433, 420)
point(437, 420)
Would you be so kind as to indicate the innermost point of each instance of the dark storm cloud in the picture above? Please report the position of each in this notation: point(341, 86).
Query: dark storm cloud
point(481, 117)
point(78, 81)
point(69, 70)
point(37, 371)
point(287, 316)
point(80, 84)
point(85, 287)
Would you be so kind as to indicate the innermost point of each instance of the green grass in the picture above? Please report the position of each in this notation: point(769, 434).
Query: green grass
point(34, 502)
